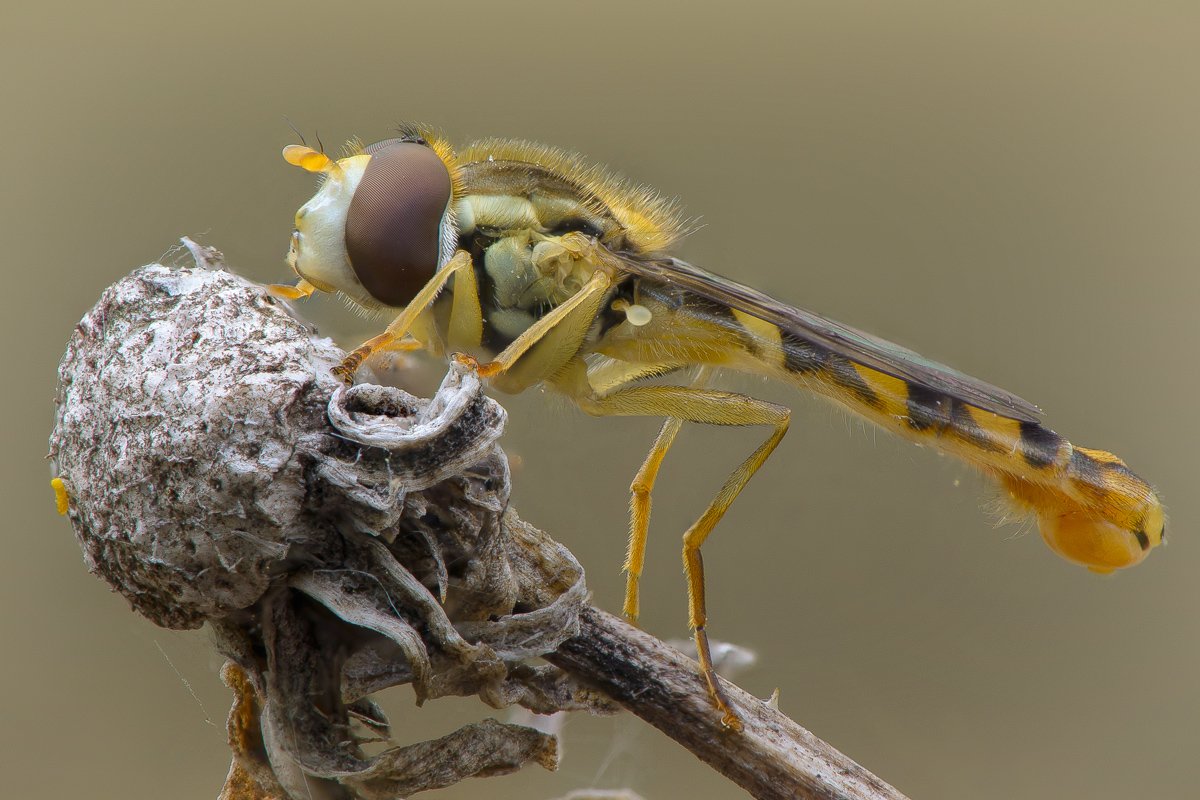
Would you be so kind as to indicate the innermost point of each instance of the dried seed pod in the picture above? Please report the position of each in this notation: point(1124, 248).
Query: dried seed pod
point(338, 541)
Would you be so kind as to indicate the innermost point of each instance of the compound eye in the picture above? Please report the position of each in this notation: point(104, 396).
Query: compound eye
point(392, 226)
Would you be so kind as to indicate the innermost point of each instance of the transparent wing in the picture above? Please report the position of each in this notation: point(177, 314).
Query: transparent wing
point(860, 347)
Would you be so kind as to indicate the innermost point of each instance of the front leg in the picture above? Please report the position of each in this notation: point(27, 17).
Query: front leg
point(564, 327)
point(299, 291)
point(466, 318)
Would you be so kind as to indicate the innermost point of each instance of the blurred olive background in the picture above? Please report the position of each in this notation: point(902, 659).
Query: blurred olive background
point(1012, 188)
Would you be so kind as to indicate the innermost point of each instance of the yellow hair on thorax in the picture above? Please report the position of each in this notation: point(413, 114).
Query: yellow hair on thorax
point(652, 222)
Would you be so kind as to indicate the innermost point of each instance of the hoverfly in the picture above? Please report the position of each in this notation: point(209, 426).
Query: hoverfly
point(561, 274)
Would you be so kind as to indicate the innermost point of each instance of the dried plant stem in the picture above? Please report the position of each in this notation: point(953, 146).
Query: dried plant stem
point(772, 759)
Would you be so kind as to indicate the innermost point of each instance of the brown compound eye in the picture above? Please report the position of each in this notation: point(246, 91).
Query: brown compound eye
point(392, 226)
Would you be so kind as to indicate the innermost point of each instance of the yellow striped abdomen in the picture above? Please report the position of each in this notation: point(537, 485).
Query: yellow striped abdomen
point(1091, 509)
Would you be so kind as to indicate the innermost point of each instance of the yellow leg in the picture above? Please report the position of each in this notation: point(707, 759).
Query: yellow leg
point(466, 315)
point(461, 263)
point(423, 334)
point(713, 408)
point(639, 514)
point(405, 345)
point(694, 564)
point(408, 344)
point(610, 375)
point(301, 290)
point(570, 320)
point(640, 502)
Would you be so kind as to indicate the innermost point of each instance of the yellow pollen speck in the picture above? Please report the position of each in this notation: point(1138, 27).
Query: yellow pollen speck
point(61, 498)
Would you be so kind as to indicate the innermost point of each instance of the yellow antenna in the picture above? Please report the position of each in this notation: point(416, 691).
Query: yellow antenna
point(308, 159)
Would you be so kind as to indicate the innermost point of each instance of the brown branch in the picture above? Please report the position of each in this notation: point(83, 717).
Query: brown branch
point(773, 758)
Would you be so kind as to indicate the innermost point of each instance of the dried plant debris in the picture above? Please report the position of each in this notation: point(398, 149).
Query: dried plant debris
point(338, 541)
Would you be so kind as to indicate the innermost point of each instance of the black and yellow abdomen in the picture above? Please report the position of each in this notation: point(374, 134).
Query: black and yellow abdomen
point(1091, 509)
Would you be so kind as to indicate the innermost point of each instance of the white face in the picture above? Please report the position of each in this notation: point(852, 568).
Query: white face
point(318, 251)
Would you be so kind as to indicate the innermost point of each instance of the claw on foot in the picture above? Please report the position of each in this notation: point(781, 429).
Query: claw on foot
point(730, 720)
point(350, 364)
point(729, 717)
point(466, 361)
point(632, 606)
